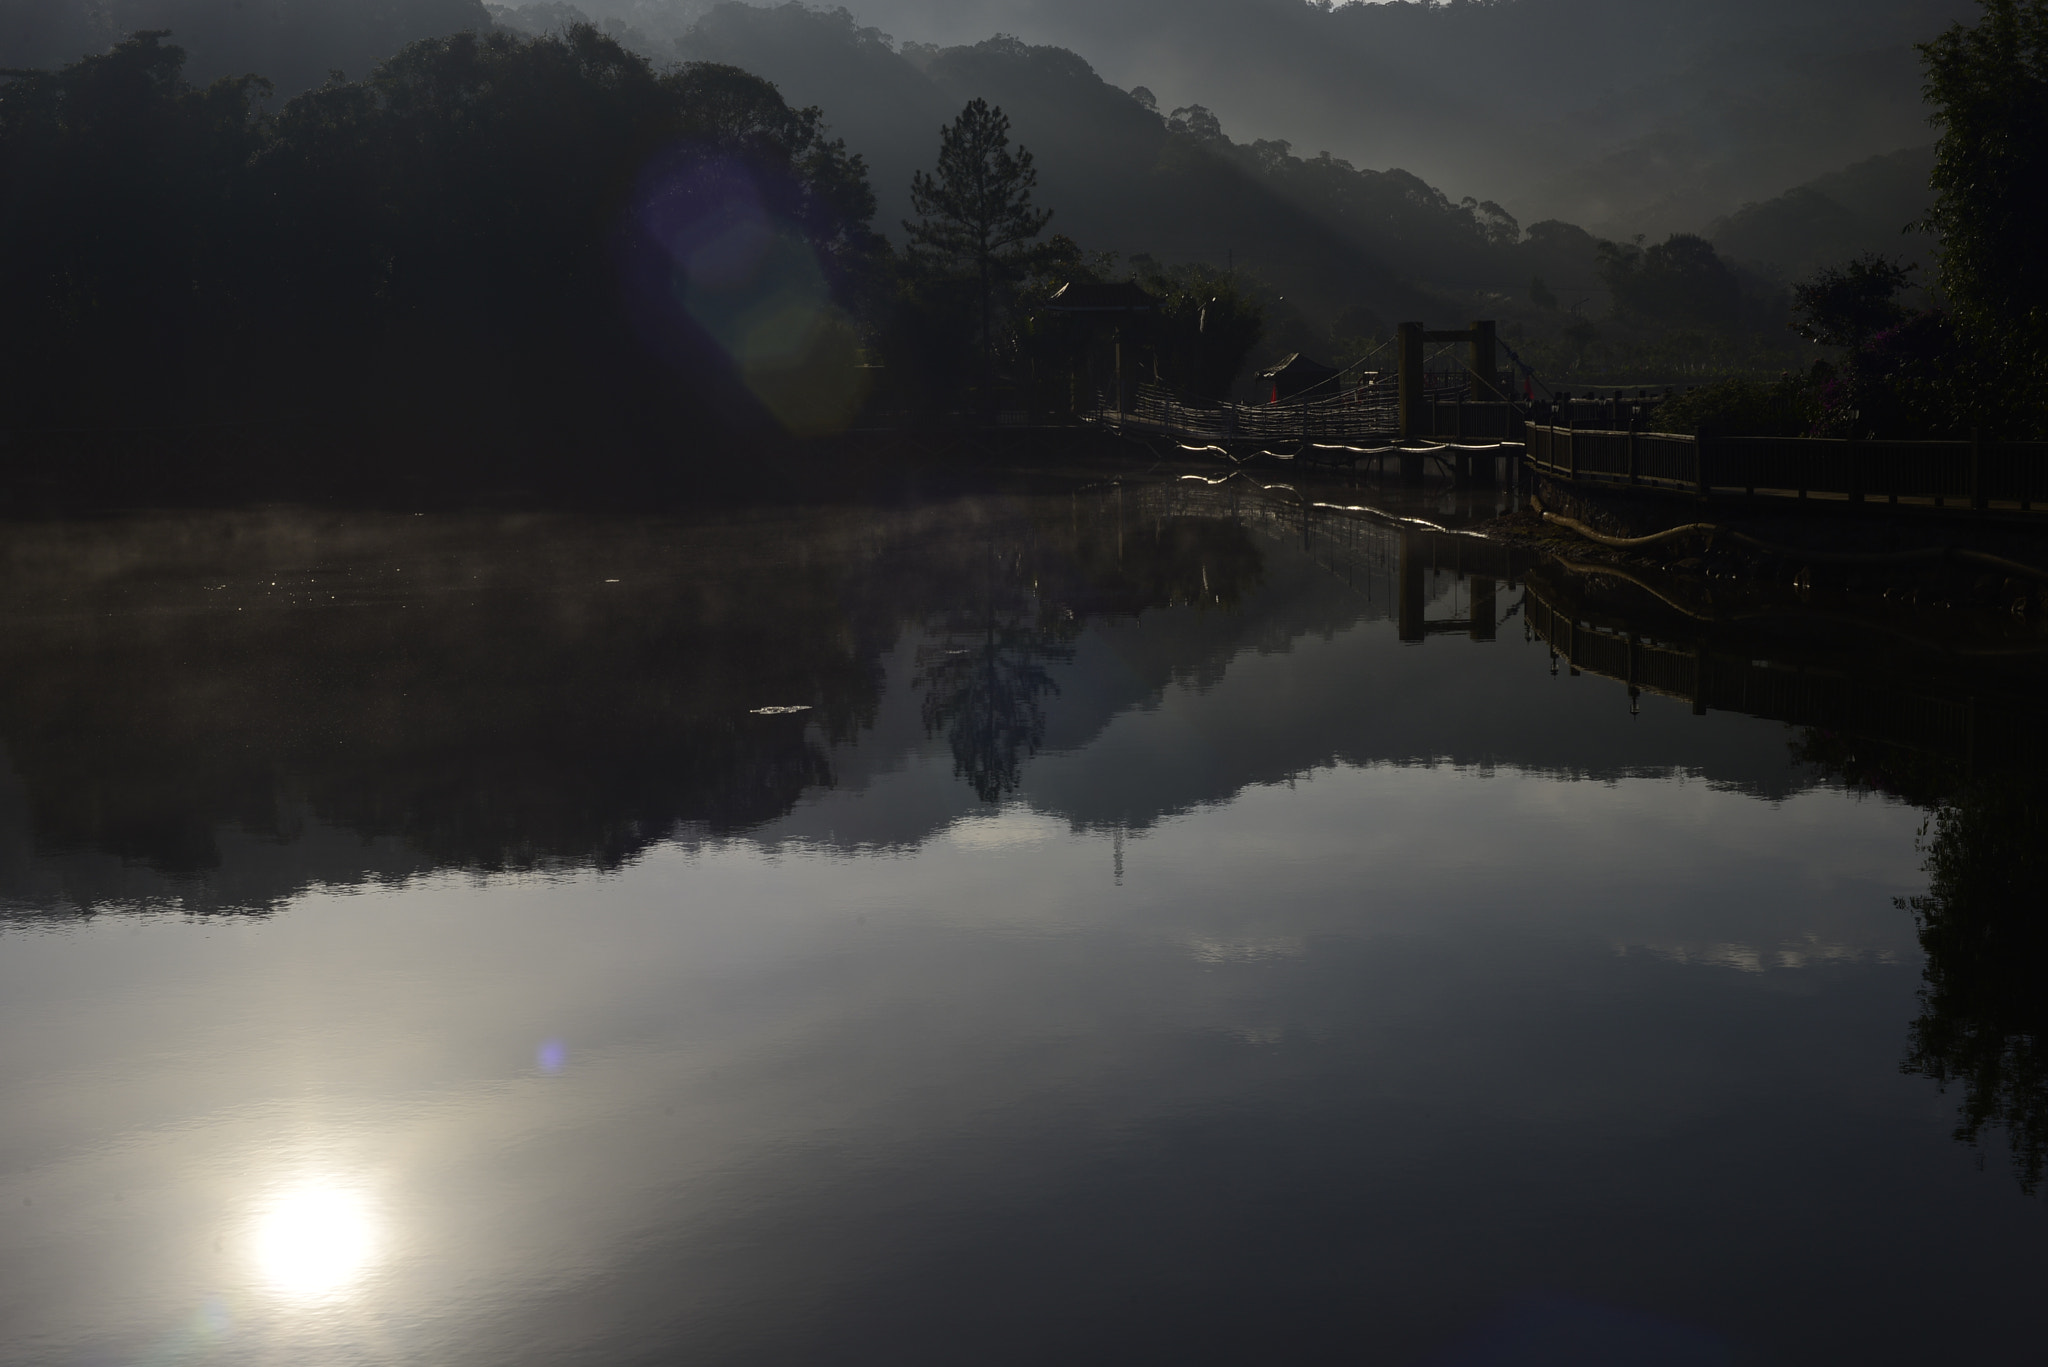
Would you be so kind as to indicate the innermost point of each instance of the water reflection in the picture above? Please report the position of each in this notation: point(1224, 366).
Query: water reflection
point(1183, 906)
point(314, 1240)
point(1983, 922)
point(219, 711)
point(1943, 713)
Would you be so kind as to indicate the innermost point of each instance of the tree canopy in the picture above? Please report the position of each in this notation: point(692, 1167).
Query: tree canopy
point(1988, 85)
point(974, 210)
point(490, 234)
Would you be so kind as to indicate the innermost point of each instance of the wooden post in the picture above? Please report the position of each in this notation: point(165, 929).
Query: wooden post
point(1410, 387)
point(1977, 469)
point(1484, 364)
point(1119, 340)
point(1483, 610)
point(1702, 448)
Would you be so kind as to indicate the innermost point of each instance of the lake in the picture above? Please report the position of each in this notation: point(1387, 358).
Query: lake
point(1132, 922)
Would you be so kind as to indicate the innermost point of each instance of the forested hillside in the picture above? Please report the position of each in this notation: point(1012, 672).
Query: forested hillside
point(1628, 116)
point(1332, 251)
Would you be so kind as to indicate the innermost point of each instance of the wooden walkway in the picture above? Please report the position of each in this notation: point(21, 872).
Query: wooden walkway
point(1968, 476)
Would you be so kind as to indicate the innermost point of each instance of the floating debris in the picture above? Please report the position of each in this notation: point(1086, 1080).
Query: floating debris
point(779, 711)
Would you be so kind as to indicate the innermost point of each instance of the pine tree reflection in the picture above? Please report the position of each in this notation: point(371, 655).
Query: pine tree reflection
point(983, 686)
point(375, 697)
point(990, 667)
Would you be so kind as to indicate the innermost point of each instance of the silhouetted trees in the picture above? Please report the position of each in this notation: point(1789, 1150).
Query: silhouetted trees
point(1988, 86)
point(492, 236)
point(1681, 282)
point(1983, 921)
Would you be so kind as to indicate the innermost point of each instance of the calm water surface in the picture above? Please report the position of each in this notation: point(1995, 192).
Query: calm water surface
point(1072, 929)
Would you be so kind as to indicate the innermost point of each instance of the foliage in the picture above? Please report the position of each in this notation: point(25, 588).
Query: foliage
point(1900, 382)
point(123, 223)
point(1988, 86)
point(1896, 371)
point(1742, 408)
point(1845, 306)
point(500, 234)
point(1984, 924)
point(1680, 283)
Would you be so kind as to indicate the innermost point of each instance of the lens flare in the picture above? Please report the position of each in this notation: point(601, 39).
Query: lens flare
point(315, 1241)
point(712, 256)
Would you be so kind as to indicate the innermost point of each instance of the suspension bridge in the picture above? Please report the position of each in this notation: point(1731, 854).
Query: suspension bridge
point(1455, 405)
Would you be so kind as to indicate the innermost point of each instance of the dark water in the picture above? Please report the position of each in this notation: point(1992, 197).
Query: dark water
point(1073, 928)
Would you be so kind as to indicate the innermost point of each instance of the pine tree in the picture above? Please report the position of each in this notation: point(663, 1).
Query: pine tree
point(974, 211)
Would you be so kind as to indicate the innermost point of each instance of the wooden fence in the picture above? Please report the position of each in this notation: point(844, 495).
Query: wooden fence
point(1974, 475)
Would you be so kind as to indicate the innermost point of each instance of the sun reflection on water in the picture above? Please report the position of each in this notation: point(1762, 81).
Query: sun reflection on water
point(315, 1241)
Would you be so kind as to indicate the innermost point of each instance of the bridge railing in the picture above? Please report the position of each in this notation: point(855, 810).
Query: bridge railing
point(1979, 475)
point(1366, 414)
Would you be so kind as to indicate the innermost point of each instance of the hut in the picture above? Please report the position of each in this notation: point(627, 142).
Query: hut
point(1103, 296)
point(1121, 305)
point(1295, 376)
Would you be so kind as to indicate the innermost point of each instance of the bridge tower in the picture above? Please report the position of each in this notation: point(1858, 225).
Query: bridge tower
point(1481, 364)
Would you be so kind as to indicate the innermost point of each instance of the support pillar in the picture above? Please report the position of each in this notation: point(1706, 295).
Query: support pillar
point(1485, 375)
point(1413, 588)
point(1482, 609)
point(1411, 362)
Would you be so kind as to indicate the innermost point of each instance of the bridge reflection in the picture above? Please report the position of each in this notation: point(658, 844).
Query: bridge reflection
point(1910, 701)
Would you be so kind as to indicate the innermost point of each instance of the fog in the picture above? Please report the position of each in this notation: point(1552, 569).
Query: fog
point(1624, 116)
point(1358, 164)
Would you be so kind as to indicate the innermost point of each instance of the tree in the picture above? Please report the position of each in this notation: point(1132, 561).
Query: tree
point(974, 211)
point(489, 236)
point(1846, 305)
point(1681, 282)
point(1894, 376)
point(1989, 89)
